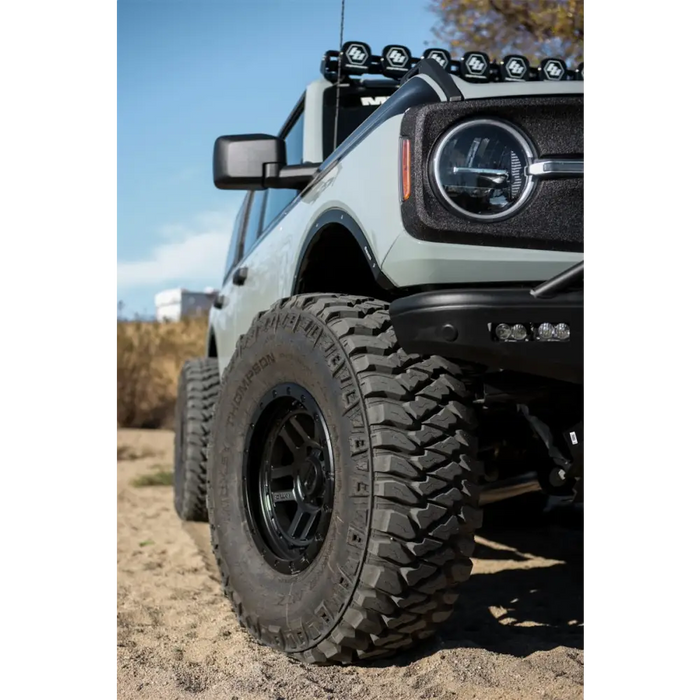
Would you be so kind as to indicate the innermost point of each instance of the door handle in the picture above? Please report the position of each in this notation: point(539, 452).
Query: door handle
point(240, 276)
point(219, 301)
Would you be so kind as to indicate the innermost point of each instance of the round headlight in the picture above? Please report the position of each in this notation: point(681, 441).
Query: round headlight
point(480, 169)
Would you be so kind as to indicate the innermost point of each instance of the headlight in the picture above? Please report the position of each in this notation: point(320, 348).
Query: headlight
point(479, 169)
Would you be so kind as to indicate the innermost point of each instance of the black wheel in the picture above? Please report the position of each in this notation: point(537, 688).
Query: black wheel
point(342, 473)
point(197, 393)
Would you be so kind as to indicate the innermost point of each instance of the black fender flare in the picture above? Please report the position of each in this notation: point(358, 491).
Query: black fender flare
point(339, 217)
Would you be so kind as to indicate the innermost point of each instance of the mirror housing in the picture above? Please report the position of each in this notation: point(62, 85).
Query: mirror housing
point(257, 162)
point(239, 161)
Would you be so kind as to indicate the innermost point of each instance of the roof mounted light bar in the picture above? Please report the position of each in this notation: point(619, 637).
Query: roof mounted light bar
point(356, 59)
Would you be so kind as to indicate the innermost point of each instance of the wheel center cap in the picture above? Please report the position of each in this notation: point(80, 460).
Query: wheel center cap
point(311, 477)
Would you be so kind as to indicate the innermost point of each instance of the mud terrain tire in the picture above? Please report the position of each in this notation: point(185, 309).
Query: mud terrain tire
point(404, 498)
point(197, 393)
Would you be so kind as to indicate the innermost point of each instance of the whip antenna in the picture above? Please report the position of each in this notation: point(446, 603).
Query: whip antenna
point(337, 85)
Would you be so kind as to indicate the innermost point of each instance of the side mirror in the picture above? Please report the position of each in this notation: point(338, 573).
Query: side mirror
point(240, 162)
point(257, 162)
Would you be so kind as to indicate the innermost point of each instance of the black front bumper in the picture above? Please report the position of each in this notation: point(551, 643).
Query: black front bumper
point(459, 324)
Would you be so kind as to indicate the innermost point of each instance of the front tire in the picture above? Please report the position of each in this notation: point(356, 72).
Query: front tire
point(381, 571)
point(198, 390)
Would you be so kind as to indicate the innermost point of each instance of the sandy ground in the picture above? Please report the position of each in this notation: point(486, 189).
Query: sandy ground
point(517, 633)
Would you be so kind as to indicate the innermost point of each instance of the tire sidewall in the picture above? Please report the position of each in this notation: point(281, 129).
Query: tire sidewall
point(293, 612)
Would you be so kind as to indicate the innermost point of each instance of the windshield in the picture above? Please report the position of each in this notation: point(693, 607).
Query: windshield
point(357, 102)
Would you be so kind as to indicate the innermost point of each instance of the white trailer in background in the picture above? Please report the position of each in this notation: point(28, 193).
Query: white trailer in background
point(174, 304)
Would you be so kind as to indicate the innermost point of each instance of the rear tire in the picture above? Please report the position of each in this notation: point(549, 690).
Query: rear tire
point(403, 472)
point(198, 390)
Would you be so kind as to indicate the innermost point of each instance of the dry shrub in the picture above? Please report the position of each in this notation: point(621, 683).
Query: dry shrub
point(161, 477)
point(149, 358)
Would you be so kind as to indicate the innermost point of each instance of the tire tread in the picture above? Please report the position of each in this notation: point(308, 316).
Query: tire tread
point(424, 509)
point(197, 397)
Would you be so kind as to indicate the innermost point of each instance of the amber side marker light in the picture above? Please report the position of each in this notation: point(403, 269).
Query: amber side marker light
point(406, 168)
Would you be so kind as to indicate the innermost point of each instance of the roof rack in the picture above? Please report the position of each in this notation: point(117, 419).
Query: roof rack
point(356, 59)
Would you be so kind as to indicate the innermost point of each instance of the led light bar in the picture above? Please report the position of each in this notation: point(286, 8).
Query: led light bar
point(530, 332)
point(356, 59)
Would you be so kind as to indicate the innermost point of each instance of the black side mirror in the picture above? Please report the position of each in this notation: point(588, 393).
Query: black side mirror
point(257, 162)
point(240, 161)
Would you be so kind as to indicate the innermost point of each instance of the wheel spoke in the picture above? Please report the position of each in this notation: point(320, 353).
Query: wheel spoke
point(283, 495)
point(288, 440)
point(310, 523)
point(296, 521)
point(281, 471)
point(301, 432)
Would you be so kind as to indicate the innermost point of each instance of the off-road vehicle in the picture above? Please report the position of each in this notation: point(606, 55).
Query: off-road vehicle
point(397, 342)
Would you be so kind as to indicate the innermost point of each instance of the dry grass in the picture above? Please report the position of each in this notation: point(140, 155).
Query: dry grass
point(161, 477)
point(149, 358)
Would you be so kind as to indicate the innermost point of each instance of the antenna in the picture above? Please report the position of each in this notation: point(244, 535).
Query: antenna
point(337, 85)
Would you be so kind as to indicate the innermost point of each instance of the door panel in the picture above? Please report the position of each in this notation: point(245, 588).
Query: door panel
point(228, 327)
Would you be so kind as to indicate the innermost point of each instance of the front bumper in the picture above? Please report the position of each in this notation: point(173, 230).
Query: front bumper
point(458, 324)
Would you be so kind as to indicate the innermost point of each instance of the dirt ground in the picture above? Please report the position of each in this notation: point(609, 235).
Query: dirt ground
point(517, 631)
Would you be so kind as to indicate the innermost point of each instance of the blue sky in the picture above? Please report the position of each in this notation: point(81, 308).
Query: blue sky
point(191, 70)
